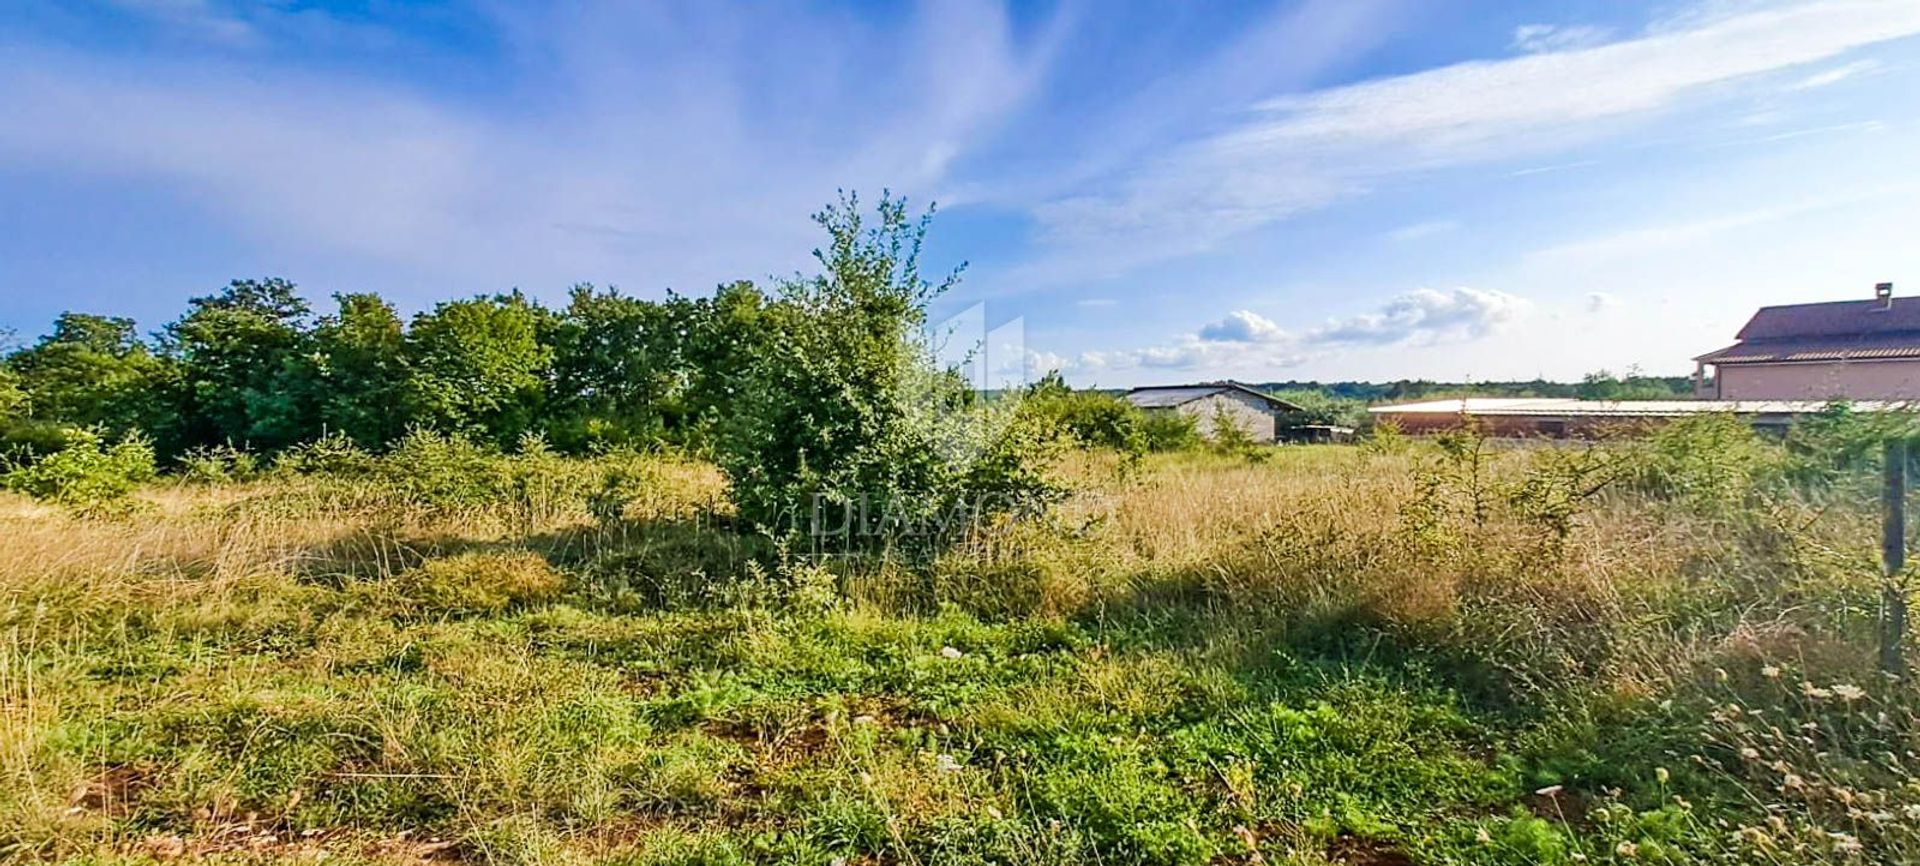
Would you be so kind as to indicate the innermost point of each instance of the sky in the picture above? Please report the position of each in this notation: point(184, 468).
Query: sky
point(1142, 192)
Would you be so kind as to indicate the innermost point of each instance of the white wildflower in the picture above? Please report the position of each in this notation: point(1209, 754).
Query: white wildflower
point(947, 652)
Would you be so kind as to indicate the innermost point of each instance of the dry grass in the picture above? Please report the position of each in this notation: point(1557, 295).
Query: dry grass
point(323, 664)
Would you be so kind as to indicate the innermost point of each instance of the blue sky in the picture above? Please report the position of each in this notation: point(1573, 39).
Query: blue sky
point(1155, 192)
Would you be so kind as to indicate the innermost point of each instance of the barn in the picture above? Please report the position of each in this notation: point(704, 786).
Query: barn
point(1260, 415)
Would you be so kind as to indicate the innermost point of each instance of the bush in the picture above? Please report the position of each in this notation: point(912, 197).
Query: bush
point(218, 463)
point(843, 406)
point(332, 454)
point(87, 474)
point(482, 582)
point(1169, 431)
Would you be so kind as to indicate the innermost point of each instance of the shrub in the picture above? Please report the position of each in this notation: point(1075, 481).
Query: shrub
point(843, 405)
point(482, 582)
point(332, 454)
point(218, 463)
point(87, 474)
point(1168, 430)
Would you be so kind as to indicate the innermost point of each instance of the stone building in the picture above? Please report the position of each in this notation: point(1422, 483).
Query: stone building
point(1259, 414)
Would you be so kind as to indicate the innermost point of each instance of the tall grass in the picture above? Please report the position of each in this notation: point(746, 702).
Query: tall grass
point(1311, 654)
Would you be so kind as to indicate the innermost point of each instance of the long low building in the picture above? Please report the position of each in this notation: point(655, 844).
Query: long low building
point(1555, 417)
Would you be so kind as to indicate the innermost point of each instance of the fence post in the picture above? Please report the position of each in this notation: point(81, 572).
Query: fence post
point(1893, 557)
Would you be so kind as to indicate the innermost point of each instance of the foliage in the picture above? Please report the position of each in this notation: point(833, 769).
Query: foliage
point(1169, 431)
point(1603, 385)
point(1093, 419)
point(357, 371)
point(478, 367)
point(88, 474)
point(844, 408)
point(219, 463)
point(91, 371)
point(1320, 407)
point(232, 353)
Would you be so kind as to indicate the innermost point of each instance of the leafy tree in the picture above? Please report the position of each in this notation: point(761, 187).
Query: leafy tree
point(90, 371)
point(617, 374)
point(1319, 407)
point(478, 366)
point(356, 371)
point(236, 353)
point(13, 400)
point(843, 407)
point(1091, 418)
point(1603, 385)
point(722, 337)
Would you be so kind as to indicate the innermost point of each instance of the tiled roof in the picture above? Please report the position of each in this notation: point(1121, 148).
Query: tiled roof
point(1834, 319)
point(1862, 347)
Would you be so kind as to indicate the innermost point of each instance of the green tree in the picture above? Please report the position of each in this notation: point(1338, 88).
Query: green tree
point(843, 408)
point(479, 366)
point(356, 371)
point(721, 339)
point(91, 371)
point(237, 353)
point(1319, 407)
point(617, 375)
point(1603, 385)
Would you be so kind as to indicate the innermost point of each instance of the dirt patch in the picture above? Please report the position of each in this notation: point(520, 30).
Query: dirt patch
point(114, 791)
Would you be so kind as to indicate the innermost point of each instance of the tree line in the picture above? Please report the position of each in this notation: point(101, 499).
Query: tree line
point(252, 366)
point(819, 388)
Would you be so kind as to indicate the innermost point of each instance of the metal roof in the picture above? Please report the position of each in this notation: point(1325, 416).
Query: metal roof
point(1622, 408)
point(1169, 396)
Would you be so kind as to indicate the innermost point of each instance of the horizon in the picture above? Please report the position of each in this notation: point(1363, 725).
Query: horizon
point(1334, 191)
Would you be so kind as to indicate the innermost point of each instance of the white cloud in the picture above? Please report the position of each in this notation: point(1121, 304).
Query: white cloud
point(1242, 326)
point(654, 157)
point(1298, 153)
point(1245, 341)
point(1536, 38)
point(1425, 316)
point(1598, 302)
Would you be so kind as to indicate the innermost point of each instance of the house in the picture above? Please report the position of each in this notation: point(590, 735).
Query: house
point(1853, 350)
point(1558, 417)
point(1259, 414)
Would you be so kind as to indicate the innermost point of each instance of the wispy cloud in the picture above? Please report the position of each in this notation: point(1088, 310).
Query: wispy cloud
point(1837, 74)
point(1536, 38)
point(656, 155)
point(1244, 340)
point(1297, 153)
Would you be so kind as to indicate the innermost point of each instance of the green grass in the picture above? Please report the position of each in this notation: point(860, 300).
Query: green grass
point(222, 677)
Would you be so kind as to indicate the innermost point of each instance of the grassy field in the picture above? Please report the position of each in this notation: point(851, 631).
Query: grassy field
point(1311, 655)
